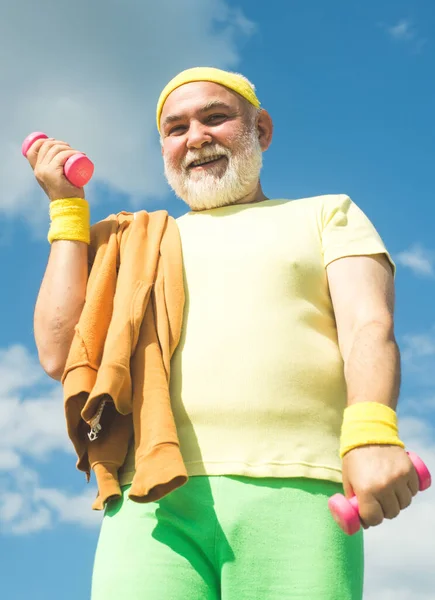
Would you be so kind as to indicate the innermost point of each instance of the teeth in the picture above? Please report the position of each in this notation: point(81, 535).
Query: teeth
point(202, 161)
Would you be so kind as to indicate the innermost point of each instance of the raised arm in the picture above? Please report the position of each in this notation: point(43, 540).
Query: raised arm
point(59, 304)
point(62, 293)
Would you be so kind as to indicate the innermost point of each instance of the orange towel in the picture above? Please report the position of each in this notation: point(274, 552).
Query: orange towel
point(120, 356)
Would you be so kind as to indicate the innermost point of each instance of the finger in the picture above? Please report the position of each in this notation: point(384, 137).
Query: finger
point(404, 496)
point(413, 482)
point(60, 159)
point(347, 487)
point(390, 505)
point(370, 511)
point(34, 150)
point(44, 148)
point(54, 168)
point(47, 148)
point(53, 151)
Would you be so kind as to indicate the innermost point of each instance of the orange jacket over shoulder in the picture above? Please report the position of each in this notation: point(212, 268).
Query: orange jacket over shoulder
point(116, 379)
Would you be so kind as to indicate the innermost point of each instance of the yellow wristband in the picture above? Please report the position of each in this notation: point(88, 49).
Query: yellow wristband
point(366, 423)
point(70, 220)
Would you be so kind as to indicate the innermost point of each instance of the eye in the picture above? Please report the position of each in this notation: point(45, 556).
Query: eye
point(216, 119)
point(177, 130)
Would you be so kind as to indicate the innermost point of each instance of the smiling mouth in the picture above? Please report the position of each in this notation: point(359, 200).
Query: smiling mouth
point(206, 162)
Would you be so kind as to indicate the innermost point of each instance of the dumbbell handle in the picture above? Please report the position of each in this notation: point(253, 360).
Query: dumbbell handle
point(346, 510)
point(78, 169)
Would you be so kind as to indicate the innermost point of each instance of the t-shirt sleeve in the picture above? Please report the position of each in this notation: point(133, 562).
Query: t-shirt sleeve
point(347, 231)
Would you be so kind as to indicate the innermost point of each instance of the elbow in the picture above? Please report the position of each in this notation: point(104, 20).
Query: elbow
point(52, 368)
point(384, 329)
point(381, 328)
point(55, 374)
point(379, 331)
point(52, 357)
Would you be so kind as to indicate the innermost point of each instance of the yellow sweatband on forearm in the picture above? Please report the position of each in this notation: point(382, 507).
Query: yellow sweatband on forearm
point(70, 220)
point(366, 423)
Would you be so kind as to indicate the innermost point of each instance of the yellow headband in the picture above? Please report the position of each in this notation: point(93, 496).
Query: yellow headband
point(233, 81)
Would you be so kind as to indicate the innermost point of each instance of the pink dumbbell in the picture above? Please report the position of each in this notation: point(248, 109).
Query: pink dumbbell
point(78, 169)
point(345, 510)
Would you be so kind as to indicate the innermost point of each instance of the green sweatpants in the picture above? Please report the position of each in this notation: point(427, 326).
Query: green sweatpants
point(229, 538)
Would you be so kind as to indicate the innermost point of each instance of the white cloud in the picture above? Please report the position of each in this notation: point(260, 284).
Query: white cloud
point(31, 508)
point(35, 520)
point(33, 426)
point(11, 506)
point(75, 510)
point(418, 345)
point(9, 459)
point(30, 425)
point(15, 362)
point(419, 405)
point(32, 430)
point(92, 76)
point(420, 261)
point(418, 355)
point(402, 30)
point(405, 32)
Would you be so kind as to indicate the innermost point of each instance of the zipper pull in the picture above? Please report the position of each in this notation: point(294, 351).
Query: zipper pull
point(95, 423)
point(93, 434)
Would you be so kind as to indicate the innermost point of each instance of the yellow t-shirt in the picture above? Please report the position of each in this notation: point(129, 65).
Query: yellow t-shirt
point(257, 383)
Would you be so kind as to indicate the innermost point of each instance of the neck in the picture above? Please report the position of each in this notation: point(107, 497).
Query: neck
point(256, 195)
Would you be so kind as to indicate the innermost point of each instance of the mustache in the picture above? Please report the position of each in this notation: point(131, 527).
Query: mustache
point(204, 154)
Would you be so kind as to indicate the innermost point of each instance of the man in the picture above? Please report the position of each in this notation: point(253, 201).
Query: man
point(283, 386)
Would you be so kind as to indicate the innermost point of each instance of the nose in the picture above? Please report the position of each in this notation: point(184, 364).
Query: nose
point(198, 135)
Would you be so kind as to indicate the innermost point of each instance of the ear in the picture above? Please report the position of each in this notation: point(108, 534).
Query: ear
point(265, 129)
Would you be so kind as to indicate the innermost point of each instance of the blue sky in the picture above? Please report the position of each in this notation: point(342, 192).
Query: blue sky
point(351, 91)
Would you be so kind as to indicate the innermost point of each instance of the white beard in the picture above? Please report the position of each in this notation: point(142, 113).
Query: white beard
point(207, 189)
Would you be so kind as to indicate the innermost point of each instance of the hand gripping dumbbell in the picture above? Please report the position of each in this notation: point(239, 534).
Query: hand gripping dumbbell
point(78, 169)
point(345, 510)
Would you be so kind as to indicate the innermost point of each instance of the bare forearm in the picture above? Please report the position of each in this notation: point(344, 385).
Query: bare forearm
point(59, 304)
point(372, 368)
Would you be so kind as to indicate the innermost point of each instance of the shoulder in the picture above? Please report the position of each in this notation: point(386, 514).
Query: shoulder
point(332, 202)
point(322, 208)
point(328, 201)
